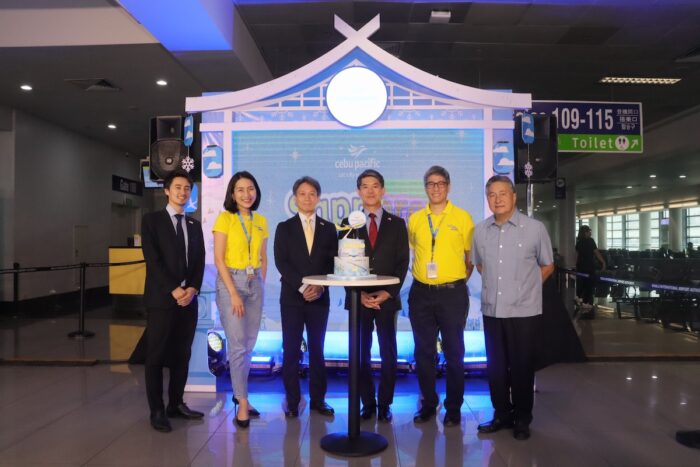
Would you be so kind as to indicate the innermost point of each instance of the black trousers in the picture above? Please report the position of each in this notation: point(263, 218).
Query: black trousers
point(386, 335)
point(443, 311)
point(585, 287)
point(170, 332)
point(294, 318)
point(511, 345)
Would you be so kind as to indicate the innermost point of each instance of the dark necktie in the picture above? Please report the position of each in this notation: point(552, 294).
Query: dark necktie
point(181, 249)
point(372, 229)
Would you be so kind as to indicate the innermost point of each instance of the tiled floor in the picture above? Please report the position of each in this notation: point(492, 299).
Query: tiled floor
point(590, 414)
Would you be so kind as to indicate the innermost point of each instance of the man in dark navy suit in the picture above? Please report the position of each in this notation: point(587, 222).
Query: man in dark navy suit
point(386, 245)
point(304, 246)
point(173, 246)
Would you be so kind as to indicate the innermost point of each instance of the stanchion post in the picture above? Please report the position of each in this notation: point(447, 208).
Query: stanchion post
point(81, 333)
point(15, 286)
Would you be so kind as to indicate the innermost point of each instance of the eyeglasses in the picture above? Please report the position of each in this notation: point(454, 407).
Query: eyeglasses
point(433, 185)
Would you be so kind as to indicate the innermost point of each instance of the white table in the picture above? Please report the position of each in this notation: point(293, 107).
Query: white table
point(354, 443)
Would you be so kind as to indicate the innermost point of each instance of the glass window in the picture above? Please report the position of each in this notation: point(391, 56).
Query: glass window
point(692, 226)
point(632, 232)
point(654, 229)
point(613, 230)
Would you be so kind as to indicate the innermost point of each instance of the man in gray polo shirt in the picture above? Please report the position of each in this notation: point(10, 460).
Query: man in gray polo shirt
point(513, 254)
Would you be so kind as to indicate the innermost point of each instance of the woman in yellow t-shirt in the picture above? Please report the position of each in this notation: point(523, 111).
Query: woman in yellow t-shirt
point(240, 255)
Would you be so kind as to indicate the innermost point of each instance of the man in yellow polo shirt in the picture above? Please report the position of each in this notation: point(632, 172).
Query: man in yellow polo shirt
point(440, 236)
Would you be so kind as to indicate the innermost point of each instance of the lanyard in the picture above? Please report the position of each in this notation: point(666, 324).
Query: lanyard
point(433, 233)
point(248, 237)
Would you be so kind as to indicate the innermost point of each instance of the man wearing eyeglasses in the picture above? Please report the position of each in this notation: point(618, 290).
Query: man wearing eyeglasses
point(440, 236)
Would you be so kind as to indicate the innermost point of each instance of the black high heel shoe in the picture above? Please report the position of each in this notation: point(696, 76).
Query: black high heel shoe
point(252, 412)
point(239, 422)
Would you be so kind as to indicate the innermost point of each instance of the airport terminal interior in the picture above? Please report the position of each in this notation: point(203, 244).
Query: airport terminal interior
point(85, 84)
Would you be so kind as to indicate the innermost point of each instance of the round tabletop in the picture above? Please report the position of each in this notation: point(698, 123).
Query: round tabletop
point(324, 280)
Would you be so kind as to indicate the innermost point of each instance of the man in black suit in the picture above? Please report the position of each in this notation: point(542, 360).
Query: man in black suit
point(173, 246)
point(386, 245)
point(304, 246)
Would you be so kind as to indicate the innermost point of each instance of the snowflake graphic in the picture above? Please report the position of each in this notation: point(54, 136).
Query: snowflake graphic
point(188, 164)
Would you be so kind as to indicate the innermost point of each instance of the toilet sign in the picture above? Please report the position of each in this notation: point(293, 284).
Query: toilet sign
point(603, 127)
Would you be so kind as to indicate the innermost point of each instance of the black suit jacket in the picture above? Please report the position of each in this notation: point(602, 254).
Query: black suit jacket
point(389, 257)
point(160, 251)
point(294, 262)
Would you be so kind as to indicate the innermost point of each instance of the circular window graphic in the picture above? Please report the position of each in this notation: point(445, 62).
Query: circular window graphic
point(356, 96)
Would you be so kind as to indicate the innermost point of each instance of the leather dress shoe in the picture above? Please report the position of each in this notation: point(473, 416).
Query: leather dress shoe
point(495, 425)
point(182, 411)
point(160, 422)
point(384, 413)
point(291, 412)
point(424, 414)
point(368, 411)
point(452, 419)
point(521, 432)
point(323, 408)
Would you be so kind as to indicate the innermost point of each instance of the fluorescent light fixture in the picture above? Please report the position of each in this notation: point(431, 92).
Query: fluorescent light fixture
point(629, 378)
point(657, 207)
point(26, 87)
point(440, 16)
point(681, 176)
point(586, 216)
point(112, 126)
point(629, 187)
point(684, 204)
point(654, 187)
point(161, 82)
point(605, 213)
point(652, 176)
point(627, 211)
point(637, 80)
point(578, 202)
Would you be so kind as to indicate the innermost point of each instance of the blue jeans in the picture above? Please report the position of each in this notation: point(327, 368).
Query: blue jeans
point(241, 333)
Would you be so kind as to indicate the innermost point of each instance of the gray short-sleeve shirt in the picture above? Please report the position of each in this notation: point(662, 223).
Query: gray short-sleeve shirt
point(510, 256)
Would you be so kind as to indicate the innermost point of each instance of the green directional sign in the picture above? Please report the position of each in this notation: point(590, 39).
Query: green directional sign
point(602, 127)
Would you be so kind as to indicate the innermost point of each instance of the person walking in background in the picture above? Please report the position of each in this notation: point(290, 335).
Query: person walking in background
point(240, 256)
point(173, 247)
point(440, 235)
point(305, 245)
point(586, 255)
point(386, 245)
point(513, 254)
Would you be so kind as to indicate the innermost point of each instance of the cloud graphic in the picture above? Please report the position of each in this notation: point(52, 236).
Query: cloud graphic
point(529, 132)
point(189, 134)
point(501, 149)
point(505, 161)
point(213, 165)
point(527, 119)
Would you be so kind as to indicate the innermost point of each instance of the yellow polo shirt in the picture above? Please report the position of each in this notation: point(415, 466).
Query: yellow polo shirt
point(454, 238)
point(236, 256)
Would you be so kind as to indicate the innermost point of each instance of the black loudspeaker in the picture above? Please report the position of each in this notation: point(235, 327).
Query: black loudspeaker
point(167, 149)
point(542, 153)
point(560, 188)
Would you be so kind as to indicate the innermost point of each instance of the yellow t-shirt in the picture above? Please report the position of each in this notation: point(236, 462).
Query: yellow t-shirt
point(236, 256)
point(454, 237)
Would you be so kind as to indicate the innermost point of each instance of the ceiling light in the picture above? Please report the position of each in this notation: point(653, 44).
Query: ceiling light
point(578, 202)
point(629, 186)
point(681, 176)
point(605, 213)
point(554, 206)
point(654, 187)
point(637, 80)
point(652, 176)
point(26, 87)
point(440, 16)
point(112, 126)
point(627, 211)
point(586, 216)
point(684, 204)
point(657, 207)
point(629, 378)
point(161, 82)
point(654, 377)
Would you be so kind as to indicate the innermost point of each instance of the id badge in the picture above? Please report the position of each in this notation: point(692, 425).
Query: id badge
point(250, 270)
point(432, 270)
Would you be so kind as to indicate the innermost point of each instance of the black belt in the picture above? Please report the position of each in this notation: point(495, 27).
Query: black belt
point(443, 286)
